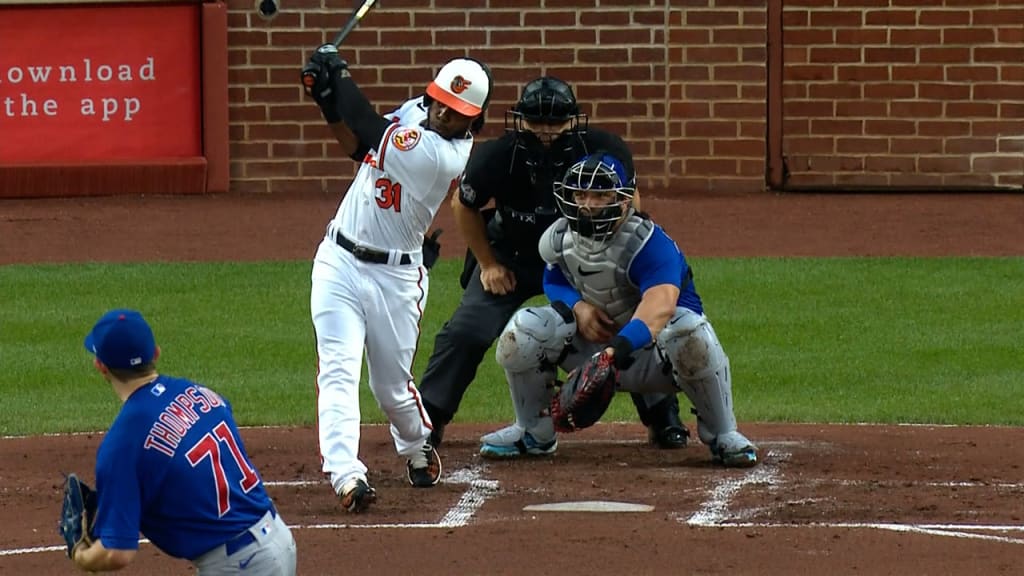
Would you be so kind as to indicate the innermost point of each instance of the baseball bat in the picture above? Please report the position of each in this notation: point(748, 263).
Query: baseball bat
point(353, 21)
point(309, 78)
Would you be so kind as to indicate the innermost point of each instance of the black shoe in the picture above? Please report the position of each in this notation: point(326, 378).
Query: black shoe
point(424, 468)
point(670, 438)
point(357, 495)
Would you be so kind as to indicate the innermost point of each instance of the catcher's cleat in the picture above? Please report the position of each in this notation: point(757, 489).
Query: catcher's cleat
point(513, 442)
point(734, 450)
point(356, 495)
point(424, 468)
point(669, 438)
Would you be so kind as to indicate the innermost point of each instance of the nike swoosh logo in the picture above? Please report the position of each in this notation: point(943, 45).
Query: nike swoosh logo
point(586, 272)
point(245, 563)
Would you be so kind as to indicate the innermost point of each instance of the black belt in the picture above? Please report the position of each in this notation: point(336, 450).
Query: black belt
point(243, 539)
point(368, 254)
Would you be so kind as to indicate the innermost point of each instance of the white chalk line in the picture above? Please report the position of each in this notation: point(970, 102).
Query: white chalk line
point(714, 513)
point(480, 490)
point(716, 508)
point(948, 530)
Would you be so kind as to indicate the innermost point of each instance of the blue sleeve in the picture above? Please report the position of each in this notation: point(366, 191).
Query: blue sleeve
point(658, 262)
point(119, 501)
point(557, 288)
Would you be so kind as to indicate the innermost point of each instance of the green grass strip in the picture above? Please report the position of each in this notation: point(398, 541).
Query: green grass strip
point(810, 340)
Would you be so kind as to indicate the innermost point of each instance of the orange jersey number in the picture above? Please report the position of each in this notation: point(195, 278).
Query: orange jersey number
point(389, 194)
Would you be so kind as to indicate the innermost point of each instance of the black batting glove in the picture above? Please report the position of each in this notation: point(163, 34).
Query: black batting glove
point(318, 75)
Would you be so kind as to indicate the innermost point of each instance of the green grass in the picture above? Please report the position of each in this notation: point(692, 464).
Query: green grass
point(810, 340)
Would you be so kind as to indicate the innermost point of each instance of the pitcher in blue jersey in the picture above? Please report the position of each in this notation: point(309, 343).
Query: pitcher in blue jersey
point(618, 284)
point(173, 467)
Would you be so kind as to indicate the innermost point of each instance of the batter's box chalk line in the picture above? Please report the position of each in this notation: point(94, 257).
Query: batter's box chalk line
point(715, 510)
point(479, 491)
point(714, 513)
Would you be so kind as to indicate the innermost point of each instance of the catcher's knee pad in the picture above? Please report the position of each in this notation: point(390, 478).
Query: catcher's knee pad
point(534, 338)
point(690, 344)
point(700, 368)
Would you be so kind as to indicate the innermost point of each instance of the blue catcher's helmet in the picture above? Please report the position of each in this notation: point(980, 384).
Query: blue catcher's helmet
point(595, 194)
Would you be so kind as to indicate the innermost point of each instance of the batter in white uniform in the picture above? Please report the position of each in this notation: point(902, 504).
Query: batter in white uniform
point(369, 283)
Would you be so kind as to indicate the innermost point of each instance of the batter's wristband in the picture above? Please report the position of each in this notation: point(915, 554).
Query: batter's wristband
point(637, 333)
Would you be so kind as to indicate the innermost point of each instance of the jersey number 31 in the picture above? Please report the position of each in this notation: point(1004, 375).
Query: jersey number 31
point(389, 194)
point(209, 445)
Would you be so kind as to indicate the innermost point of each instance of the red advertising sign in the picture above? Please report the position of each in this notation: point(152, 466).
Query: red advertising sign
point(101, 82)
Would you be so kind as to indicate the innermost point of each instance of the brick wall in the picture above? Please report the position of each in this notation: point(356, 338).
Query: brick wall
point(886, 93)
point(684, 81)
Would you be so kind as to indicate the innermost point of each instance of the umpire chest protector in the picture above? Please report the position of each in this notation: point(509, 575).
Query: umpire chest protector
point(525, 202)
point(601, 277)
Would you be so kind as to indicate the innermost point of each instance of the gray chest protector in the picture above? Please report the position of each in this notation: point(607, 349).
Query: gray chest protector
point(600, 276)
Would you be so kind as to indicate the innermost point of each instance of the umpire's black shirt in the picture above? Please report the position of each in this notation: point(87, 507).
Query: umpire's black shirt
point(519, 173)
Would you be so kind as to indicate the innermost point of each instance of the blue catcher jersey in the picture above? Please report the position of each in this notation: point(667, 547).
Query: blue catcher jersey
point(173, 467)
point(659, 261)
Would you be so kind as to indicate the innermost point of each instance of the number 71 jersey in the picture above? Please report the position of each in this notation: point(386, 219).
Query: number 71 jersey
point(173, 467)
point(402, 183)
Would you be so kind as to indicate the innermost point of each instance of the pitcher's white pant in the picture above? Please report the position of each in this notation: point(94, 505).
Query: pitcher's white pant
point(356, 304)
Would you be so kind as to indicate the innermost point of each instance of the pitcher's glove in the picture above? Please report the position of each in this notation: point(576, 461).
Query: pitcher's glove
point(431, 248)
point(586, 394)
point(77, 513)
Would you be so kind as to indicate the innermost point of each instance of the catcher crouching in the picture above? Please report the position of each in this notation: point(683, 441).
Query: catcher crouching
point(624, 315)
point(173, 467)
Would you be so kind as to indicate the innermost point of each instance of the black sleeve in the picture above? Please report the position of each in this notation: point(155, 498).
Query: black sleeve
point(360, 154)
point(358, 114)
point(598, 139)
point(486, 169)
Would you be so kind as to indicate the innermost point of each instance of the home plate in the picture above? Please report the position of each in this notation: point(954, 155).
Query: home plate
point(588, 506)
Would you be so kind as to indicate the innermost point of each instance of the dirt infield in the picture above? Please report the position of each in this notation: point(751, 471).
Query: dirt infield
point(827, 499)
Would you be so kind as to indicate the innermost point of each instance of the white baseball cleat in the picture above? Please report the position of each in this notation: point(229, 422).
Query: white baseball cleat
point(734, 450)
point(514, 441)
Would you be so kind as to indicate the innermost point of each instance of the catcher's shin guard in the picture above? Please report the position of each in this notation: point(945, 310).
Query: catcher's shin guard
point(531, 396)
point(534, 339)
point(700, 368)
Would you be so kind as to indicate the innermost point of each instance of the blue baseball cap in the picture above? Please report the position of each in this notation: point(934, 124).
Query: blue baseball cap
point(121, 338)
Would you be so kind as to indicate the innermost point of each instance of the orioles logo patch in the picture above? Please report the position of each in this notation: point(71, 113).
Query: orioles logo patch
point(459, 84)
point(406, 139)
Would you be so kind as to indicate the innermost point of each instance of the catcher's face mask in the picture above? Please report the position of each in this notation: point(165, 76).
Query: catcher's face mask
point(595, 196)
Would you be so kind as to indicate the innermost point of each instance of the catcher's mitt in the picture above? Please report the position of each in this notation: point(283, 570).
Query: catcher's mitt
point(77, 513)
point(586, 394)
